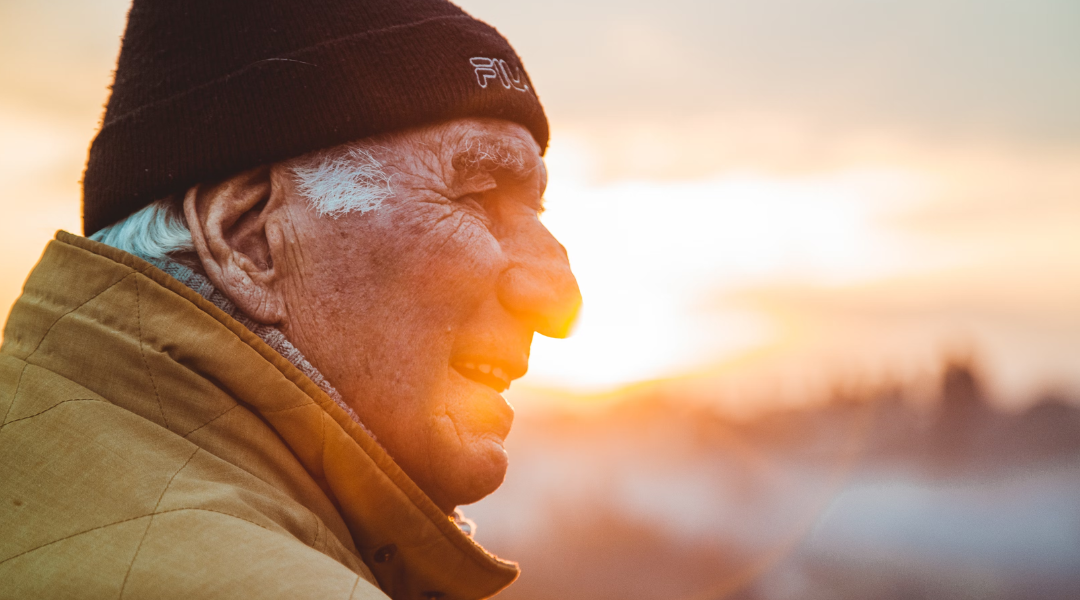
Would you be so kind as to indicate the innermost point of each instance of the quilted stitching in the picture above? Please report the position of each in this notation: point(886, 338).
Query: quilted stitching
point(61, 317)
point(307, 402)
point(151, 521)
point(142, 352)
point(68, 537)
point(128, 520)
point(352, 592)
point(223, 413)
point(14, 395)
point(48, 409)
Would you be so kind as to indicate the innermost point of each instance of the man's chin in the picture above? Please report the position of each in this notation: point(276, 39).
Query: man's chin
point(476, 471)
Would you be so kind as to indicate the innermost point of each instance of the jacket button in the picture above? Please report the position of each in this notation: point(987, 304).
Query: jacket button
point(385, 553)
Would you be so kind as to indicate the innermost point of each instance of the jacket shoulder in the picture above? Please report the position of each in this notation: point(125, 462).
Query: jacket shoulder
point(180, 554)
point(95, 500)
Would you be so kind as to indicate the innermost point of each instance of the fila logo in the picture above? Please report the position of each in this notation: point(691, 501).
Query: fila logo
point(497, 68)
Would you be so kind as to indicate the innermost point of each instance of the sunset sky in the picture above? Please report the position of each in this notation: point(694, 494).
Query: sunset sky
point(759, 198)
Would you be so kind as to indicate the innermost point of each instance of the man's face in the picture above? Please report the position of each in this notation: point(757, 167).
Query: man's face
point(422, 311)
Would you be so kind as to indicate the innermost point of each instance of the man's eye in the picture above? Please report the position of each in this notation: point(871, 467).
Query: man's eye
point(477, 207)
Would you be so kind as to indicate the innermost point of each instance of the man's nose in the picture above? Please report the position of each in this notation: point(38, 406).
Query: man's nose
point(538, 286)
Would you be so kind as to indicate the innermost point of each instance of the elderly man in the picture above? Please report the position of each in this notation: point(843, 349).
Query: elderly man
point(274, 368)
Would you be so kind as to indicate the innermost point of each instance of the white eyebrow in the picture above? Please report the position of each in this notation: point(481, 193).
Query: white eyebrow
point(490, 153)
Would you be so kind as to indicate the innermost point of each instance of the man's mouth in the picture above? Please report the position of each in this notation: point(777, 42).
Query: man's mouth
point(493, 376)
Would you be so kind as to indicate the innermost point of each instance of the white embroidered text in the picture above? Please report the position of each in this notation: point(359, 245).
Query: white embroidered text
point(497, 68)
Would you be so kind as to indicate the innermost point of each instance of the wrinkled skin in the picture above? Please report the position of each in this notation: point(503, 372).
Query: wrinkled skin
point(394, 305)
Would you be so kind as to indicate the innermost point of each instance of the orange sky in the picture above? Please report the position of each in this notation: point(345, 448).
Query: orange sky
point(768, 196)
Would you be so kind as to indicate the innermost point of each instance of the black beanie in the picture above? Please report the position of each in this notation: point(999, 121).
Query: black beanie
point(208, 88)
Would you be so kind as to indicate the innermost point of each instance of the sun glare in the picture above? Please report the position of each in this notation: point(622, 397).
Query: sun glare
point(656, 259)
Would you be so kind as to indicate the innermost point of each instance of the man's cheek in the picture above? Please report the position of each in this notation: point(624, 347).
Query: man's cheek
point(463, 250)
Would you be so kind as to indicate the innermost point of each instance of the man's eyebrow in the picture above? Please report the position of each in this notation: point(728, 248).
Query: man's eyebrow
point(491, 153)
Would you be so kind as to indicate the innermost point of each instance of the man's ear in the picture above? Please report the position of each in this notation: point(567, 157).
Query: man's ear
point(228, 227)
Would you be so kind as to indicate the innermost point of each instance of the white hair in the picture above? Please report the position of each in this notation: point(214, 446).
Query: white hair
point(336, 181)
point(341, 180)
point(154, 232)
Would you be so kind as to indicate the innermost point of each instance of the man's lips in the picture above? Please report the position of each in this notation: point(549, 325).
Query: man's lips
point(495, 374)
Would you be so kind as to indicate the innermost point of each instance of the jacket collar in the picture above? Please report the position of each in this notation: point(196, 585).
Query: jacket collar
point(273, 336)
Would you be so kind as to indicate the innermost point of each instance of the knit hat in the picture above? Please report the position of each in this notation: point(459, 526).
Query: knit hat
point(208, 88)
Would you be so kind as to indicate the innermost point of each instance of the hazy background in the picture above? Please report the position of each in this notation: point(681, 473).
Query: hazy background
point(766, 195)
point(791, 220)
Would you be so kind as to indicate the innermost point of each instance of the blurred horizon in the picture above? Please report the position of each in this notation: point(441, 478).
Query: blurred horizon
point(759, 200)
point(882, 492)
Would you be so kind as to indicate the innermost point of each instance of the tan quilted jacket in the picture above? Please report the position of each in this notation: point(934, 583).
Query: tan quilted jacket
point(152, 447)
